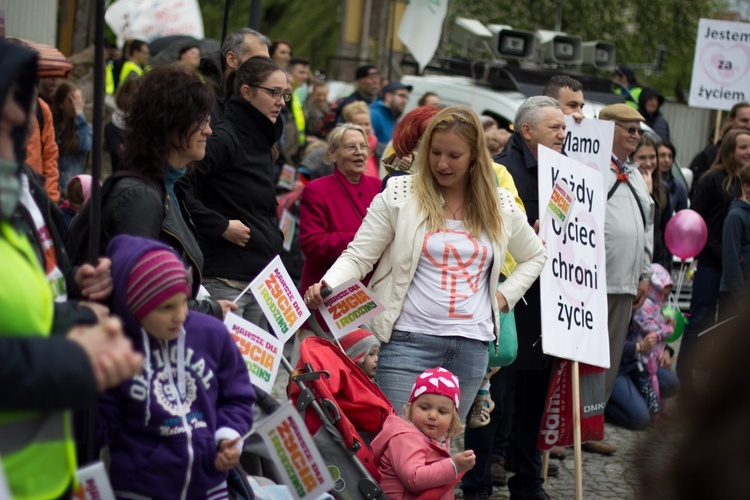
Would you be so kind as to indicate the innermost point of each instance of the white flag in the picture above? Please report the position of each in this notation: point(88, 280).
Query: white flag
point(421, 27)
point(151, 19)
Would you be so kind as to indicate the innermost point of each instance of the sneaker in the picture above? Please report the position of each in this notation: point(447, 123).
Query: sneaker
point(599, 447)
point(539, 494)
point(553, 470)
point(558, 452)
point(480, 410)
point(476, 495)
point(499, 476)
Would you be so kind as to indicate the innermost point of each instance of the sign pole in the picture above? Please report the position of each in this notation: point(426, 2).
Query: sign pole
point(717, 130)
point(577, 430)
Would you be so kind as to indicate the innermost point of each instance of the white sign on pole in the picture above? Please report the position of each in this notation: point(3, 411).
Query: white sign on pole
point(294, 453)
point(151, 19)
point(721, 65)
point(282, 304)
point(260, 350)
point(574, 281)
point(350, 305)
point(421, 27)
point(590, 142)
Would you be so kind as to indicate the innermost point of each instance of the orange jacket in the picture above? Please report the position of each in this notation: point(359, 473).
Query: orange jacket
point(42, 152)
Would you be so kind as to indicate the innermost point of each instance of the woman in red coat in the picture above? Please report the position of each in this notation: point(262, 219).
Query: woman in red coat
point(333, 207)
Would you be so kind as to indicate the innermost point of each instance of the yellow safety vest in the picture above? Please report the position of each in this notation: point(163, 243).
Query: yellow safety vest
point(127, 68)
point(299, 119)
point(37, 448)
point(109, 78)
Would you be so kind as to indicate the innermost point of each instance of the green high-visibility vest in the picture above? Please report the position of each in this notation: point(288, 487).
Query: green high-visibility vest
point(109, 78)
point(299, 119)
point(127, 68)
point(37, 448)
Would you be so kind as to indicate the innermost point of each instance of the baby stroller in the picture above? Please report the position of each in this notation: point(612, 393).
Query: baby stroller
point(349, 410)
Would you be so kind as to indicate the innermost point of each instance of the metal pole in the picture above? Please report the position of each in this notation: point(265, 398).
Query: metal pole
point(225, 22)
point(96, 195)
point(96, 153)
point(254, 21)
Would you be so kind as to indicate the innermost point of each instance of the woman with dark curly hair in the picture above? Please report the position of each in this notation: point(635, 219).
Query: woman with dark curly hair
point(165, 130)
point(235, 202)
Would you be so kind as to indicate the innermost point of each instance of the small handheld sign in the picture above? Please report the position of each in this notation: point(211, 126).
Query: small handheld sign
point(294, 453)
point(282, 304)
point(260, 350)
point(348, 306)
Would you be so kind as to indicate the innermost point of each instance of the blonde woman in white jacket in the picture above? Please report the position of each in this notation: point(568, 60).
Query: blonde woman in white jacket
point(441, 236)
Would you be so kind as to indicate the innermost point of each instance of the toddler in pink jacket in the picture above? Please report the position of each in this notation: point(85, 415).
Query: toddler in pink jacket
point(415, 460)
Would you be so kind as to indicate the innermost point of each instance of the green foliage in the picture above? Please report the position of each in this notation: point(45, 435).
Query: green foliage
point(637, 27)
point(311, 26)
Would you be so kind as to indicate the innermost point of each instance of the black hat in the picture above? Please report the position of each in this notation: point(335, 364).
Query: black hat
point(394, 86)
point(366, 70)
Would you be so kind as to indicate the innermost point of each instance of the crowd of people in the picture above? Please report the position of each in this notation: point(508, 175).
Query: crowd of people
point(436, 210)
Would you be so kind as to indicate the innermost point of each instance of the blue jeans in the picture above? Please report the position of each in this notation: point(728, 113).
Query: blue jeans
point(703, 305)
point(626, 406)
point(249, 308)
point(409, 354)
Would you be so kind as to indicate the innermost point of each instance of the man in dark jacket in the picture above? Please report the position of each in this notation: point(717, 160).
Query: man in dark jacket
point(649, 105)
point(368, 87)
point(539, 120)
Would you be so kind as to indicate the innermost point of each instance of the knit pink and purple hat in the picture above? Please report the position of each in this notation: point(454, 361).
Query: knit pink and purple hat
point(155, 277)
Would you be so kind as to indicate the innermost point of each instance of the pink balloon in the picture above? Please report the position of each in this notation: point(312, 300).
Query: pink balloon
point(686, 234)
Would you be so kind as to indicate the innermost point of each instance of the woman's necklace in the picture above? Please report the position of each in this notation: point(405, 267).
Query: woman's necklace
point(454, 212)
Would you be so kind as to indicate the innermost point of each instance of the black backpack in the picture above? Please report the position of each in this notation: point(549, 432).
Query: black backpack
point(78, 237)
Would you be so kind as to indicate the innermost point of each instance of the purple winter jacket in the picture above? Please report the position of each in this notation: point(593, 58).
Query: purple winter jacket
point(159, 448)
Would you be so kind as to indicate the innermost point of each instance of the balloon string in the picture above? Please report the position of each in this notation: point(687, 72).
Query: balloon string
point(680, 281)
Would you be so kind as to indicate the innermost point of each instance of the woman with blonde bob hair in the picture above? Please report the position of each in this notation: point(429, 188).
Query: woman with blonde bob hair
point(440, 237)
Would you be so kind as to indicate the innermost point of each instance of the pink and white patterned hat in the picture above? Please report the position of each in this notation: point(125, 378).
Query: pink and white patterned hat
point(437, 381)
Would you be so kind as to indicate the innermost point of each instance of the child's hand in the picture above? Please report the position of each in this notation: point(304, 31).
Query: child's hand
point(649, 342)
point(464, 460)
point(228, 456)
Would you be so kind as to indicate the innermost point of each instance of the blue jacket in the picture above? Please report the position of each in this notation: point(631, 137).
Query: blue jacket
point(155, 451)
point(382, 121)
point(735, 249)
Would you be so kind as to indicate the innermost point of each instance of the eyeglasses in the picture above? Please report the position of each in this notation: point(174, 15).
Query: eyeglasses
point(276, 93)
point(353, 148)
point(204, 123)
point(630, 130)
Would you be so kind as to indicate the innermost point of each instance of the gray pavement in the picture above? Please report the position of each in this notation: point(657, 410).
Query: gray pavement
point(604, 477)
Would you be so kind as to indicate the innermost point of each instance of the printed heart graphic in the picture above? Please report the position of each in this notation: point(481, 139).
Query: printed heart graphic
point(715, 58)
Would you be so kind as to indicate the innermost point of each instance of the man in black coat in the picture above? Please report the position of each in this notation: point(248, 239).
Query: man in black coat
point(539, 120)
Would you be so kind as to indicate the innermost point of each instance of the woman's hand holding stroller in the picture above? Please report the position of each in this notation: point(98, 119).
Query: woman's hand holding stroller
point(228, 455)
point(314, 295)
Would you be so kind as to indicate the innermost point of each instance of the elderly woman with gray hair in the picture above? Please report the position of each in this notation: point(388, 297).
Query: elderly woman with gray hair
point(333, 207)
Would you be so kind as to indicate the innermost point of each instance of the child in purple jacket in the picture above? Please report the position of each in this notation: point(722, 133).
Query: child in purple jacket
point(174, 430)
